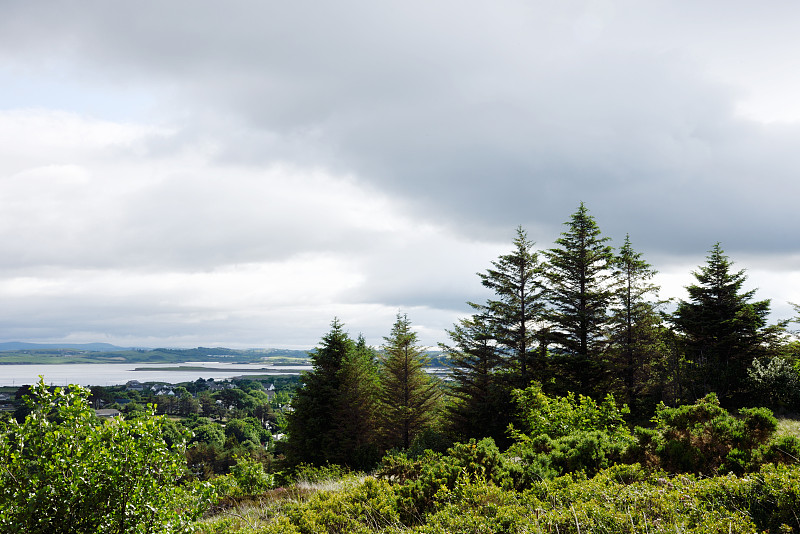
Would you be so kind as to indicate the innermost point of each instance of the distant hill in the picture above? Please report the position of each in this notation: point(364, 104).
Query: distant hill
point(65, 353)
point(94, 347)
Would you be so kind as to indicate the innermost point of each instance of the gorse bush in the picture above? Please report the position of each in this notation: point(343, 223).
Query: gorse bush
point(566, 434)
point(704, 438)
point(64, 471)
point(627, 499)
point(586, 452)
point(419, 480)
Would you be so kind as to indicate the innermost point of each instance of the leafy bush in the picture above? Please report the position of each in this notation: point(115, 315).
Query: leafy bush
point(64, 471)
point(566, 434)
point(250, 476)
point(561, 416)
point(211, 434)
point(779, 450)
point(776, 383)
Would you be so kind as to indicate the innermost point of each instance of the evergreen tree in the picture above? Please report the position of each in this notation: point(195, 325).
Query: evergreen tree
point(722, 330)
point(478, 401)
point(516, 309)
point(356, 414)
point(409, 396)
point(635, 322)
point(312, 433)
point(579, 293)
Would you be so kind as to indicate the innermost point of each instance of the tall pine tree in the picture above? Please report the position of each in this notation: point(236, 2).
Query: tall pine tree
point(722, 328)
point(579, 293)
point(516, 309)
point(409, 396)
point(356, 416)
point(313, 435)
point(635, 324)
point(477, 399)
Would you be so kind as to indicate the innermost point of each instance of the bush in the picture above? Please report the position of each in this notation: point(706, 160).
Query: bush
point(561, 416)
point(361, 509)
point(250, 476)
point(420, 481)
point(780, 450)
point(775, 383)
point(586, 452)
point(704, 438)
point(566, 435)
point(64, 471)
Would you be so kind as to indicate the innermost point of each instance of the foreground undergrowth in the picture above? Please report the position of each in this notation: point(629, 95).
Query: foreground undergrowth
point(575, 467)
point(621, 499)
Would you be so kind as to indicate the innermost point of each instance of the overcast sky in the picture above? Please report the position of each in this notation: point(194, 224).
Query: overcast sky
point(239, 173)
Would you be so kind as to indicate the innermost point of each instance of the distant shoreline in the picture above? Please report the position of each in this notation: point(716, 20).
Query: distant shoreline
point(224, 369)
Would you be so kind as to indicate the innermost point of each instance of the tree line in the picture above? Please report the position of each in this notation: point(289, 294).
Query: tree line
point(579, 317)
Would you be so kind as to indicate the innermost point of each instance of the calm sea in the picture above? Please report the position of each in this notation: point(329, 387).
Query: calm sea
point(109, 374)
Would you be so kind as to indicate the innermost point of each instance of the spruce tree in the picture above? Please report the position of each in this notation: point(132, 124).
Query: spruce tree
point(635, 323)
point(312, 433)
point(478, 402)
point(409, 396)
point(516, 309)
point(579, 293)
point(722, 329)
point(355, 419)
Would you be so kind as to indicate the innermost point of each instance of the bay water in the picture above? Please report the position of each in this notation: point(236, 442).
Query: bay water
point(109, 374)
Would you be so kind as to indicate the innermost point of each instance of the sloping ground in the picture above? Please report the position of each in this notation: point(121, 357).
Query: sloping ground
point(623, 499)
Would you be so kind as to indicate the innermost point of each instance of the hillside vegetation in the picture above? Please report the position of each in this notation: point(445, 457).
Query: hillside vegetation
point(574, 403)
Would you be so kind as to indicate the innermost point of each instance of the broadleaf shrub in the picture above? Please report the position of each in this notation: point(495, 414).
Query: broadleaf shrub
point(558, 416)
point(65, 471)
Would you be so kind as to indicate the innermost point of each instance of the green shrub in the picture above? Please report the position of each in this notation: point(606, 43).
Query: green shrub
point(775, 383)
point(588, 452)
point(704, 438)
point(211, 434)
point(250, 476)
point(361, 508)
point(780, 450)
point(562, 416)
point(419, 480)
point(64, 471)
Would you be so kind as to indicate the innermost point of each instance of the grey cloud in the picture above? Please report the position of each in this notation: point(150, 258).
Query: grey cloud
point(496, 117)
point(475, 116)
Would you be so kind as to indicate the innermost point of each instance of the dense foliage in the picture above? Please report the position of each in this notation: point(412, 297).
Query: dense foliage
point(63, 470)
point(590, 474)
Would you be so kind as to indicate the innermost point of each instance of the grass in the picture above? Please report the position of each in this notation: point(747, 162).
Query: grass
point(788, 426)
point(255, 512)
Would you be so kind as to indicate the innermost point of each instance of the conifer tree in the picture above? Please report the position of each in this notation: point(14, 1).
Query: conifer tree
point(516, 309)
point(478, 401)
point(635, 322)
point(312, 431)
point(409, 396)
point(722, 329)
point(579, 293)
point(356, 417)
